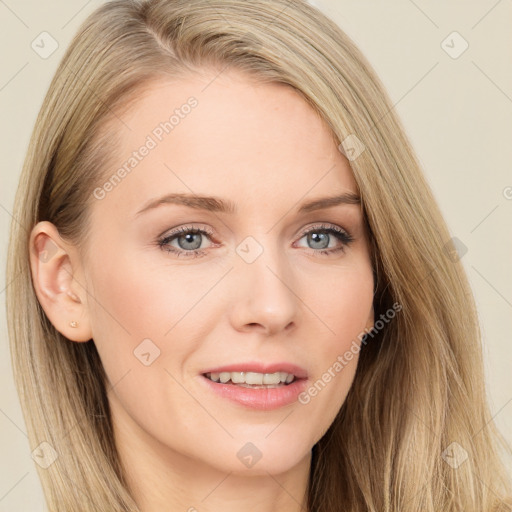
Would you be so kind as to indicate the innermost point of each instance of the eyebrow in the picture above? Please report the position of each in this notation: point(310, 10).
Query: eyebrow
point(216, 204)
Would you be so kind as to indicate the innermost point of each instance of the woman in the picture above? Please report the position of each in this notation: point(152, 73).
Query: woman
point(197, 172)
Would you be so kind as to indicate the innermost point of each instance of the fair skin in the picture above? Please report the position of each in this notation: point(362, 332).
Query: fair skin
point(263, 148)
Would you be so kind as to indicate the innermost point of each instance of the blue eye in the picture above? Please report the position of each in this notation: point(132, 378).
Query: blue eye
point(321, 236)
point(189, 240)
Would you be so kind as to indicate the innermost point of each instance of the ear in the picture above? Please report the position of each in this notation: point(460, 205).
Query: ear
point(54, 265)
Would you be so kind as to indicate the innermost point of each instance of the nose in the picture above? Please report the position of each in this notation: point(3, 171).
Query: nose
point(262, 296)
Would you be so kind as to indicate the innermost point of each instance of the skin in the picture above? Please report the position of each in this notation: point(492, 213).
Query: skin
point(264, 148)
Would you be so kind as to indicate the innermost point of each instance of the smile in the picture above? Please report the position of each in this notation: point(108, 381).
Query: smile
point(259, 385)
point(252, 379)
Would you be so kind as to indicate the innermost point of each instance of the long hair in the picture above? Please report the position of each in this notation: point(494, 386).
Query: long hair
point(418, 395)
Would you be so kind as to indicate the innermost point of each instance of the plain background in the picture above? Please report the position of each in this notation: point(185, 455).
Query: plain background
point(457, 113)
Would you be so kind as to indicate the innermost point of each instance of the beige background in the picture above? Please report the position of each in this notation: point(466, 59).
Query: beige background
point(457, 111)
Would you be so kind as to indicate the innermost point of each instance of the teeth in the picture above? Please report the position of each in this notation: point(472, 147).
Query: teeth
point(252, 378)
point(270, 378)
point(237, 378)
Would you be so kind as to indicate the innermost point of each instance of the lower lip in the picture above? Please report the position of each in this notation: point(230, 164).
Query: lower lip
point(263, 399)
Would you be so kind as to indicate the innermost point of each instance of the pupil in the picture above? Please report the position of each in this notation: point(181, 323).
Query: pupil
point(320, 238)
point(189, 239)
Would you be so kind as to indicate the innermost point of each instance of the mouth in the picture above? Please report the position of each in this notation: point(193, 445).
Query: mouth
point(253, 380)
point(256, 385)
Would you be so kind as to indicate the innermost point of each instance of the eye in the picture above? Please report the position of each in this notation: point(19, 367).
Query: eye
point(320, 237)
point(188, 239)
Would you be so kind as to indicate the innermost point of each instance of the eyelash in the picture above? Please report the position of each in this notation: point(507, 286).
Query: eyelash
point(342, 235)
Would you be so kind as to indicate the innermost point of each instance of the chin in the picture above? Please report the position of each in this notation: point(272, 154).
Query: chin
point(261, 457)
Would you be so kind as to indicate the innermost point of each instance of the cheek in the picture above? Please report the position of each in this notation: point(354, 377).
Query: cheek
point(139, 299)
point(344, 313)
point(140, 308)
point(144, 336)
point(129, 305)
point(341, 299)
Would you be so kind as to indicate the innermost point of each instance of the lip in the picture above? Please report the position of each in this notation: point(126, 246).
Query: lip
point(262, 399)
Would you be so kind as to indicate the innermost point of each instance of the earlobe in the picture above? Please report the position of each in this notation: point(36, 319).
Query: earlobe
point(53, 264)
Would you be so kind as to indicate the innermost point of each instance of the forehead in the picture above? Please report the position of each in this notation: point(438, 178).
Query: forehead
point(227, 136)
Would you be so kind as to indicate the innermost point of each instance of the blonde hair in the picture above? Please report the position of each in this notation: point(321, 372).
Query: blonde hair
point(419, 384)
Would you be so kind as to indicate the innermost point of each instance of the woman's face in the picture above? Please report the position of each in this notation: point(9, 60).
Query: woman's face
point(249, 290)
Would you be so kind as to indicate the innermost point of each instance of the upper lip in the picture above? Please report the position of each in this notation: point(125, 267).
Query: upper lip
point(258, 367)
